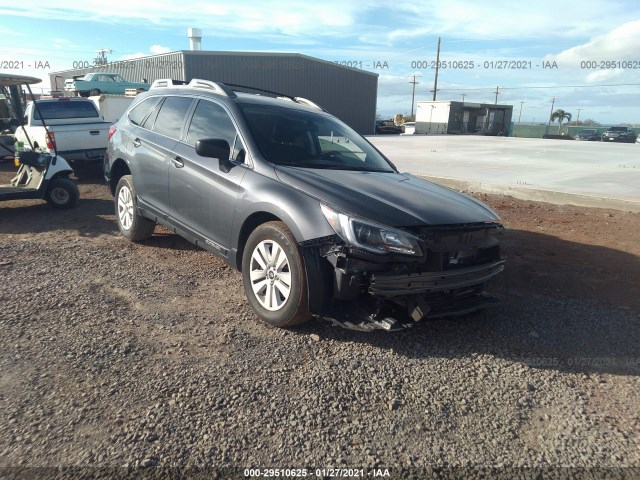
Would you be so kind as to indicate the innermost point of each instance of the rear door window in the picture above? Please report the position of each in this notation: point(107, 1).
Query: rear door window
point(172, 116)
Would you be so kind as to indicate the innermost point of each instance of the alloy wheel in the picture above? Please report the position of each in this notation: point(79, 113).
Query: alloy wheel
point(270, 275)
point(125, 208)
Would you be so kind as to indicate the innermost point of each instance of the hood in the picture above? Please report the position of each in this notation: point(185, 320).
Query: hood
point(394, 199)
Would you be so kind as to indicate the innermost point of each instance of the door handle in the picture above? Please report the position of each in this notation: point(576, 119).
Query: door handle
point(94, 132)
point(137, 142)
point(177, 162)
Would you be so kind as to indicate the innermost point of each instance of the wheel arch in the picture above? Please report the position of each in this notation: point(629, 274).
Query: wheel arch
point(252, 222)
point(119, 169)
point(300, 212)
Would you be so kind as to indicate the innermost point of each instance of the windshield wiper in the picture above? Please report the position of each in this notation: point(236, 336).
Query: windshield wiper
point(359, 169)
point(320, 166)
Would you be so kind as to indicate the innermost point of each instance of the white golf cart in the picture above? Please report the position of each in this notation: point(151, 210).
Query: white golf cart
point(40, 175)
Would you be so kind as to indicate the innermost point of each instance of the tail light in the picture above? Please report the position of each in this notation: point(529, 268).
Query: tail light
point(112, 130)
point(51, 141)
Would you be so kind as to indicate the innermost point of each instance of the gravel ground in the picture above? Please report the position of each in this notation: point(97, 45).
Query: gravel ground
point(133, 356)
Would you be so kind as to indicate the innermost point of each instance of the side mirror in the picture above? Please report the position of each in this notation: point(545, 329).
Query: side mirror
point(215, 148)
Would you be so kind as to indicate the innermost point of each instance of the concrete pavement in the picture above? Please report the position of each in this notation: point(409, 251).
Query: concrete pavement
point(593, 174)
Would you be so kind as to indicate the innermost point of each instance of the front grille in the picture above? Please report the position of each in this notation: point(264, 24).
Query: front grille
point(386, 285)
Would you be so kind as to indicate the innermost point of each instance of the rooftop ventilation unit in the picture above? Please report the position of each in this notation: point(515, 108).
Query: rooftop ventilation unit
point(195, 38)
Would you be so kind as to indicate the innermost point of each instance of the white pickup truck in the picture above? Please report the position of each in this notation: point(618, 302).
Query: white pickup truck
point(75, 126)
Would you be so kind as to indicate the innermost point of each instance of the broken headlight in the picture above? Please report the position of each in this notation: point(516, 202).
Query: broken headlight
point(371, 236)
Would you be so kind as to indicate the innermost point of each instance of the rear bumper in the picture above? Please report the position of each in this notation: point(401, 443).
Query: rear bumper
point(84, 155)
point(618, 139)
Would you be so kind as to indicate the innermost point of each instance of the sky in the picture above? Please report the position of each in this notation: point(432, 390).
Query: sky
point(586, 54)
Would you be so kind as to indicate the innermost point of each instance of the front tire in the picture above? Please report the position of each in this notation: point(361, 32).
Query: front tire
point(94, 92)
point(62, 193)
point(132, 225)
point(274, 276)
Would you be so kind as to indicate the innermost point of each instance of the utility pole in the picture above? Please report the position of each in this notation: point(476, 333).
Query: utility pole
point(497, 92)
point(431, 116)
point(520, 114)
point(463, 95)
point(577, 119)
point(435, 83)
point(553, 102)
point(101, 59)
point(413, 93)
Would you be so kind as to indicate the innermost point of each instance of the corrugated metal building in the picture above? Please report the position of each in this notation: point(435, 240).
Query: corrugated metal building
point(348, 93)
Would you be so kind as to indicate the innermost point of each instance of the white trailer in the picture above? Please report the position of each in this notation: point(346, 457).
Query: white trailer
point(432, 117)
point(111, 107)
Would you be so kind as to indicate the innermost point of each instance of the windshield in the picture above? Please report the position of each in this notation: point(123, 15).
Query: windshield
point(310, 140)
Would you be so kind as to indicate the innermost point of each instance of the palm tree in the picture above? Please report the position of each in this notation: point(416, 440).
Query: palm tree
point(560, 115)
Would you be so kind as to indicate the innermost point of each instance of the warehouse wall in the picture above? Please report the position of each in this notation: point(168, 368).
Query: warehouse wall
point(347, 93)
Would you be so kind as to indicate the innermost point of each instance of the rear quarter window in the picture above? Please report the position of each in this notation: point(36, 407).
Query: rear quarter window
point(140, 111)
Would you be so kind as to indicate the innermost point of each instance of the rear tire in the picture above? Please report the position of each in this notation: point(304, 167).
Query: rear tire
point(94, 92)
point(62, 193)
point(83, 94)
point(274, 277)
point(132, 225)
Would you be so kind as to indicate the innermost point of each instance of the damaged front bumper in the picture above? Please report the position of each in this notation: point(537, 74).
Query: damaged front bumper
point(386, 285)
point(372, 292)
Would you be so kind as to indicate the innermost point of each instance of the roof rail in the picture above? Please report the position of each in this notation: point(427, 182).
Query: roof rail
point(164, 82)
point(281, 96)
point(216, 87)
point(307, 102)
point(219, 88)
point(228, 90)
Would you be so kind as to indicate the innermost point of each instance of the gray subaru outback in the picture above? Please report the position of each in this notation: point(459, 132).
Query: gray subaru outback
point(318, 221)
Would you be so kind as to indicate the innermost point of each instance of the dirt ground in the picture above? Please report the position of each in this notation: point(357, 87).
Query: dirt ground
point(117, 354)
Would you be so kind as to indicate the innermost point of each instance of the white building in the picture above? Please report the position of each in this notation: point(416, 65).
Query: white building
point(447, 116)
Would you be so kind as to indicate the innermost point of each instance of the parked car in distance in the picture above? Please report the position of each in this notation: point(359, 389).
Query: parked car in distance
point(318, 221)
point(588, 134)
point(619, 134)
point(97, 83)
point(387, 127)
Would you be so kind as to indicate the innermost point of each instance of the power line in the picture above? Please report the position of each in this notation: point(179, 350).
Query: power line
point(541, 87)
